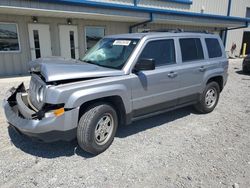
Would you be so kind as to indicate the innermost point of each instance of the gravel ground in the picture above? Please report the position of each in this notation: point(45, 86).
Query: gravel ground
point(177, 149)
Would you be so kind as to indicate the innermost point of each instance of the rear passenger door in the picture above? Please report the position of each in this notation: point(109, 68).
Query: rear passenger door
point(193, 68)
point(156, 89)
point(216, 57)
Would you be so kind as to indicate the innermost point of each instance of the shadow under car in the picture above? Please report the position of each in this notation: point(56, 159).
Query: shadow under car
point(62, 148)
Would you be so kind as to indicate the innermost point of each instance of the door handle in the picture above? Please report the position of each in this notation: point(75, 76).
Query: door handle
point(202, 69)
point(172, 74)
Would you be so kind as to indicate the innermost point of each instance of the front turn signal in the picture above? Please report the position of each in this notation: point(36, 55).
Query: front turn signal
point(59, 112)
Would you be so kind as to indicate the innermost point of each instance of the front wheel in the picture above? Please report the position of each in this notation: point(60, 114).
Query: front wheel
point(97, 128)
point(209, 98)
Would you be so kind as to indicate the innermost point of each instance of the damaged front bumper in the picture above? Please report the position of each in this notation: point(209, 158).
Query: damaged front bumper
point(24, 119)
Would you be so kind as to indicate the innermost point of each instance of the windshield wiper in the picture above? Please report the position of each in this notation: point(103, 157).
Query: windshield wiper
point(94, 63)
point(88, 61)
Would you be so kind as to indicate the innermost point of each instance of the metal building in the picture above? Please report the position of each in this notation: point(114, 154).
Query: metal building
point(31, 29)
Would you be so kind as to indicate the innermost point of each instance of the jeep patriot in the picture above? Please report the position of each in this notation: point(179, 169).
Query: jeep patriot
point(123, 78)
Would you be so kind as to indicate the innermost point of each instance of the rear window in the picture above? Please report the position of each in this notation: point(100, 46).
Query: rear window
point(191, 49)
point(162, 51)
point(213, 48)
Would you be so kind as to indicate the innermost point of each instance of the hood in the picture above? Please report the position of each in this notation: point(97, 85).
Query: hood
point(59, 69)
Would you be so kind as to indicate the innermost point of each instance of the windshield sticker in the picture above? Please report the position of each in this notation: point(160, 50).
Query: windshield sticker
point(122, 42)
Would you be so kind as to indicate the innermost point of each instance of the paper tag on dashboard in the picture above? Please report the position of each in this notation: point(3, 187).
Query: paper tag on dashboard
point(122, 42)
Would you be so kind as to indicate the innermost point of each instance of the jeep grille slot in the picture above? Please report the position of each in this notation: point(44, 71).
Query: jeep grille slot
point(35, 83)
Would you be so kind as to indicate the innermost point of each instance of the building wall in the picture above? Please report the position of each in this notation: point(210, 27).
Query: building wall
point(238, 8)
point(210, 6)
point(218, 7)
point(123, 2)
point(15, 63)
point(69, 7)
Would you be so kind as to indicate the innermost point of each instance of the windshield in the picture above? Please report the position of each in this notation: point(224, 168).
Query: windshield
point(111, 53)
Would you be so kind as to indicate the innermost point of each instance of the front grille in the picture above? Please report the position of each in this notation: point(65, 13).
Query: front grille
point(35, 83)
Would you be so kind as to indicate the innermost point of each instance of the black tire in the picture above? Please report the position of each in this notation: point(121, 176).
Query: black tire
point(89, 123)
point(202, 106)
point(244, 69)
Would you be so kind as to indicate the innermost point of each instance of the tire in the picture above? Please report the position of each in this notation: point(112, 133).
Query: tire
point(208, 100)
point(97, 128)
point(244, 69)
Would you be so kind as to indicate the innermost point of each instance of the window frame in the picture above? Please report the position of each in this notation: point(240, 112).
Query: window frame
point(85, 34)
point(207, 47)
point(160, 39)
point(202, 47)
point(18, 39)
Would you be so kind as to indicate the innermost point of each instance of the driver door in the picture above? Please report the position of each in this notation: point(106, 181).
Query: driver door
point(156, 90)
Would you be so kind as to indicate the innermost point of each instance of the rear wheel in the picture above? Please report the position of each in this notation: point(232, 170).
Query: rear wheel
point(209, 98)
point(97, 128)
point(244, 69)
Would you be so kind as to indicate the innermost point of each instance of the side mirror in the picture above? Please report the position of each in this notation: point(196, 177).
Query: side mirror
point(144, 64)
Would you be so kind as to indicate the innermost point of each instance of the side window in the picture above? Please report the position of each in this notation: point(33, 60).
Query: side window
point(191, 49)
point(162, 51)
point(213, 48)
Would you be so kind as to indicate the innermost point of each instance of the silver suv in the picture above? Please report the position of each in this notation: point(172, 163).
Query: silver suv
point(123, 78)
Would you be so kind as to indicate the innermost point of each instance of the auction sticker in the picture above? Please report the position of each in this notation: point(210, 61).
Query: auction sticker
point(122, 42)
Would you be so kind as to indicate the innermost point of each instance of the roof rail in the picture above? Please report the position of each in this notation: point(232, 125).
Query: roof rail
point(164, 30)
point(178, 30)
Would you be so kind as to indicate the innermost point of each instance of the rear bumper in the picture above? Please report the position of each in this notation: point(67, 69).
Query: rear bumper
point(47, 129)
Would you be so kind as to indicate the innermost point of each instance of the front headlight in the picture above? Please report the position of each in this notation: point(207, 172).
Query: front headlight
point(40, 94)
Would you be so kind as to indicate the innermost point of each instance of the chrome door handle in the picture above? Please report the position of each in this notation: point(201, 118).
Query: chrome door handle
point(202, 69)
point(172, 74)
